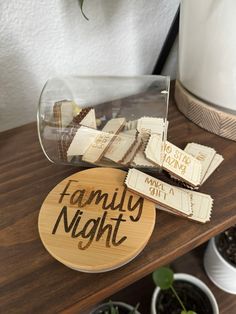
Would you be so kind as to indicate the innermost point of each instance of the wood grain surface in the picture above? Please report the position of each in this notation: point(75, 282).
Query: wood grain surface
point(95, 225)
point(34, 282)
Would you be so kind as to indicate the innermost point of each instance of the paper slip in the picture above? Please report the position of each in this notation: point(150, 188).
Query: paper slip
point(122, 143)
point(132, 152)
point(202, 153)
point(67, 113)
point(83, 138)
point(130, 125)
point(180, 164)
point(102, 141)
point(64, 112)
point(147, 126)
point(217, 160)
point(159, 192)
point(140, 159)
point(150, 125)
point(153, 151)
point(90, 120)
point(114, 126)
point(201, 206)
point(66, 135)
point(98, 147)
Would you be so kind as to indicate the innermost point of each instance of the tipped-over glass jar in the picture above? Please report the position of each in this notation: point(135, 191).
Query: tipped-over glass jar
point(104, 121)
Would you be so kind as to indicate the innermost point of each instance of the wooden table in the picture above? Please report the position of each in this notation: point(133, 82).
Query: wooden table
point(33, 282)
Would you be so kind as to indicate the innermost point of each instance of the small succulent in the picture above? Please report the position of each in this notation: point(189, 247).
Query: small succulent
point(113, 309)
point(163, 278)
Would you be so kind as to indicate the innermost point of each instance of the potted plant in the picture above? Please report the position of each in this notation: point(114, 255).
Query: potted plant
point(115, 308)
point(220, 260)
point(181, 294)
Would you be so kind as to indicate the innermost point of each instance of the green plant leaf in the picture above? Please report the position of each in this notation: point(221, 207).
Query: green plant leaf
point(81, 3)
point(188, 312)
point(134, 309)
point(114, 310)
point(163, 277)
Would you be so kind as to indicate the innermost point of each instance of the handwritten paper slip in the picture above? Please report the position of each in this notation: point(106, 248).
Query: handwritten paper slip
point(159, 192)
point(122, 144)
point(202, 153)
point(147, 126)
point(150, 125)
point(201, 207)
point(103, 140)
point(180, 164)
point(83, 138)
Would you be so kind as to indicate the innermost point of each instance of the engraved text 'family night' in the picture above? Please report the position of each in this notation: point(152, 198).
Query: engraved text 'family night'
point(95, 229)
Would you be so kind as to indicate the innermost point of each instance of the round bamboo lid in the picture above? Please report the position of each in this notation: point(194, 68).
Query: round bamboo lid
point(91, 223)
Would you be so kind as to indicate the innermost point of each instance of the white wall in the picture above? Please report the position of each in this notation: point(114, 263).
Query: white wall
point(41, 39)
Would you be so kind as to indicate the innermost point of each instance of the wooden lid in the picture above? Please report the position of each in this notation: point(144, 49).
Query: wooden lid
point(91, 223)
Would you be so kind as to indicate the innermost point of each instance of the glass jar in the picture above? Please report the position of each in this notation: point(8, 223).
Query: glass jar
point(102, 121)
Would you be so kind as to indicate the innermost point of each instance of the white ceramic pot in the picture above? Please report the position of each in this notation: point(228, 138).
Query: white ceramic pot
point(218, 269)
point(207, 49)
point(200, 284)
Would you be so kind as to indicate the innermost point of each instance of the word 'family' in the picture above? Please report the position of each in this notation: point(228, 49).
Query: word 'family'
point(103, 225)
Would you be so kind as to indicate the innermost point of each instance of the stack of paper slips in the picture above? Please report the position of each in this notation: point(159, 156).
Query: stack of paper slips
point(146, 127)
point(190, 204)
point(208, 157)
point(119, 141)
point(192, 166)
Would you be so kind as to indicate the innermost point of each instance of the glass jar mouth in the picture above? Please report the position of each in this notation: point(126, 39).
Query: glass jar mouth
point(39, 123)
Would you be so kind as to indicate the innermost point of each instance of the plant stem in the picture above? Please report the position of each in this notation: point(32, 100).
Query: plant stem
point(178, 298)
